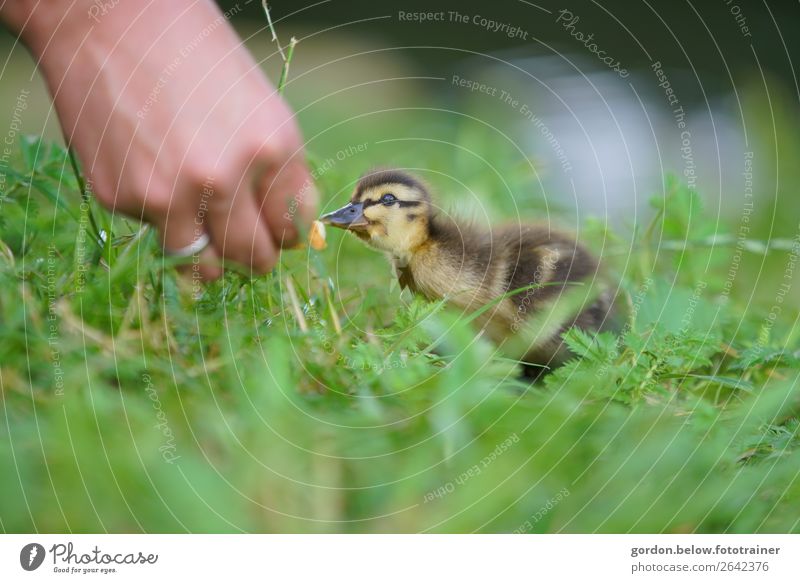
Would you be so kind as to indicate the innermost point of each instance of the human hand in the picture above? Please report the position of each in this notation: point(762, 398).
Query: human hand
point(175, 123)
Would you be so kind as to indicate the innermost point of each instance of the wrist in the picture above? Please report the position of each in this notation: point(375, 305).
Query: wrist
point(53, 26)
point(39, 23)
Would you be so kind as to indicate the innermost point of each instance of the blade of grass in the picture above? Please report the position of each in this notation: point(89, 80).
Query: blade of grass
point(298, 312)
point(73, 161)
point(723, 381)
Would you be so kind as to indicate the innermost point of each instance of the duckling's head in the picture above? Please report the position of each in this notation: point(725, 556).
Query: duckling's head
point(390, 210)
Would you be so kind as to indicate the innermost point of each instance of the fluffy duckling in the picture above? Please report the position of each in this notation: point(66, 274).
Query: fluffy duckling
point(538, 282)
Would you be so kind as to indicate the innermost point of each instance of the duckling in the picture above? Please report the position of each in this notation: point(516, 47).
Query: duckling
point(536, 282)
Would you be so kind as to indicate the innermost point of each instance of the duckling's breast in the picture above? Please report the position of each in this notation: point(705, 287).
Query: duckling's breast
point(462, 278)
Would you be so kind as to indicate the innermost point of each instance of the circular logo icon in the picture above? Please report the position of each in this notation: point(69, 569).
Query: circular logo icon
point(31, 556)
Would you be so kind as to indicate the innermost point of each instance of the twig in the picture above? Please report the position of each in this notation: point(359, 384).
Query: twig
point(287, 56)
point(272, 29)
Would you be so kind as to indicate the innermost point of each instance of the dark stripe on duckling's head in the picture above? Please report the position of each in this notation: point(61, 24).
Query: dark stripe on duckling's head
point(388, 176)
point(398, 202)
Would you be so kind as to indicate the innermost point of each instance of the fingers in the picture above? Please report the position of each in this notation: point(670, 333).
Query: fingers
point(287, 197)
point(249, 211)
point(181, 225)
point(238, 232)
point(238, 224)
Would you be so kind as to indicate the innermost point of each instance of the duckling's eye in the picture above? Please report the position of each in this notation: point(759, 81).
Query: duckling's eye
point(388, 199)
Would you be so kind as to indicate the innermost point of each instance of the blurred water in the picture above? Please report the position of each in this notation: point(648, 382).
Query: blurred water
point(608, 142)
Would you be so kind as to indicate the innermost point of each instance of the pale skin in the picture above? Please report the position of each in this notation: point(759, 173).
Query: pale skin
point(174, 123)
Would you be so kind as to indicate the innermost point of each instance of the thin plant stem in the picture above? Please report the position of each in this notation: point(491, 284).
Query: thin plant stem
point(285, 70)
point(265, 6)
point(286, 57)
point(73, 161)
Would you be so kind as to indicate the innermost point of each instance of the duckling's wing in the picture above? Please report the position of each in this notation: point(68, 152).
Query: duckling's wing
point(538, 256)
point(565, 289)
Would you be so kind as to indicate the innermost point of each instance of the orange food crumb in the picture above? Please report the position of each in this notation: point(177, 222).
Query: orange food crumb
point(316, 238)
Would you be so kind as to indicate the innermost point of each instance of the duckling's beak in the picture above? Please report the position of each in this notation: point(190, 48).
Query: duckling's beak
point(350, 217)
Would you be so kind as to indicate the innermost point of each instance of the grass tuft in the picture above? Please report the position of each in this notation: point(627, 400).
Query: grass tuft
point(320, 398)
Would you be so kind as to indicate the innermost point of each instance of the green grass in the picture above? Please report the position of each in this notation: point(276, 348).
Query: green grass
point(129, 405)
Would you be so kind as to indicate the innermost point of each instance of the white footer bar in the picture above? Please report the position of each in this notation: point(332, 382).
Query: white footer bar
point(400, 558)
